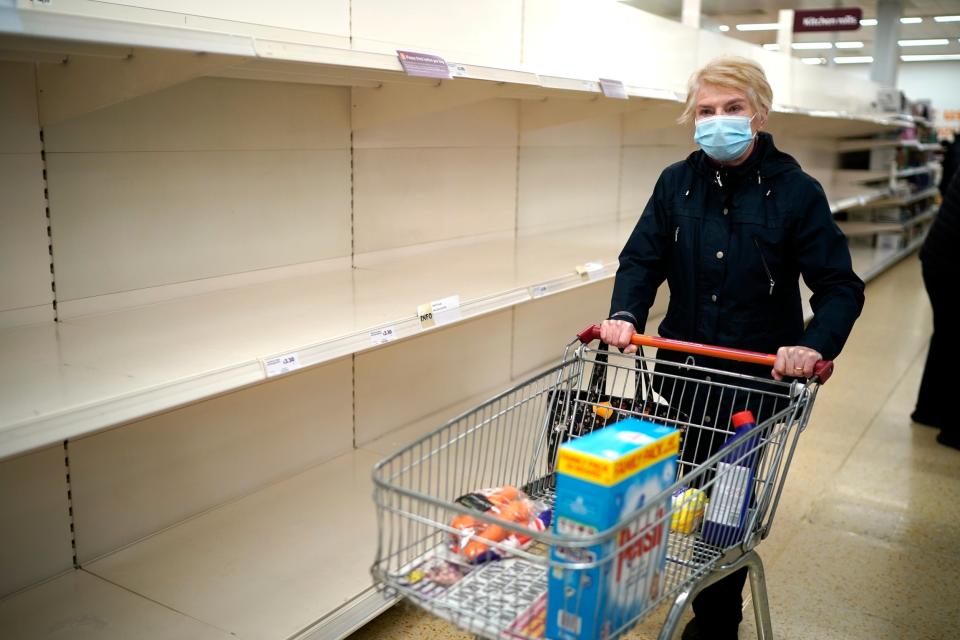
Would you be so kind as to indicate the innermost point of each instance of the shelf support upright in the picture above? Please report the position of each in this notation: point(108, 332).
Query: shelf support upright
point(785, 31)
point(885, 51)
point(690, 13)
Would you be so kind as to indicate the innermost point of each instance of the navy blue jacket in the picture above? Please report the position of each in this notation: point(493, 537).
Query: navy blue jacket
point(732, 244)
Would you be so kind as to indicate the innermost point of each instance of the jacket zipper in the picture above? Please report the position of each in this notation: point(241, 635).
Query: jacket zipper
point(766, 267)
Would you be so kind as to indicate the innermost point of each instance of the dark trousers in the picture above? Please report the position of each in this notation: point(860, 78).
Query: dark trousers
point(719, 608)
point(934, 406)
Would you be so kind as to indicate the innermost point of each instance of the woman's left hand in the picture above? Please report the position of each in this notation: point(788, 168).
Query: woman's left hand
point(795, 362)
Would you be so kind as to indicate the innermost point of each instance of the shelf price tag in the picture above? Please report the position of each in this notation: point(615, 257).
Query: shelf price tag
point(591, 270)
point(613, 89)
point(382, 336)
point(281, 364)
point(439, 312)
point(457, 70)
point(538, 291)
point(424, 65)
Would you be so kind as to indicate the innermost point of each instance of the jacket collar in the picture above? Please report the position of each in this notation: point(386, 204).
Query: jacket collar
point(765, 161)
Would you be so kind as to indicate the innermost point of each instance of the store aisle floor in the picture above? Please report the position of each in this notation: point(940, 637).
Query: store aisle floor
point(866, 544)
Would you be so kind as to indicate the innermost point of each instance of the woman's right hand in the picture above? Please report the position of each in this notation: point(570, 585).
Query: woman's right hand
point(617, 333)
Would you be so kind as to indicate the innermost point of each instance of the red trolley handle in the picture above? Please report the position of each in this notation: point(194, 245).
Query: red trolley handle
point(822, 370)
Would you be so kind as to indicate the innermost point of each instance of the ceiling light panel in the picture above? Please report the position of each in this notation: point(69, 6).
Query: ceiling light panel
point(933, 57)
point(929, 42)
point(759, 26)
point(853, 60)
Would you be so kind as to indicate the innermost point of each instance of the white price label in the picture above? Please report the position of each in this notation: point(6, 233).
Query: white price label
point(382, 336)
point(439, 312)
point(282, 364)
point(613, 89)
point(729, 494)
point(592, 270)
point(457, 70)
point(538, 291)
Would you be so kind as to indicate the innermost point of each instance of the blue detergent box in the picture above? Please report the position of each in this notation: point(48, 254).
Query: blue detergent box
point(603, 479)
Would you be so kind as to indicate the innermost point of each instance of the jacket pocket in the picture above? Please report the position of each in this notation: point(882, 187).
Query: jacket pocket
point(766, 265)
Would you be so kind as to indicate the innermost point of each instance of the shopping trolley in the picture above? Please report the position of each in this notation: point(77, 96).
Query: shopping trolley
point(513, 440)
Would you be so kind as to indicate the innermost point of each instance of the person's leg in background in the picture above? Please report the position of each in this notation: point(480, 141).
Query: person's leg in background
point(933, 399)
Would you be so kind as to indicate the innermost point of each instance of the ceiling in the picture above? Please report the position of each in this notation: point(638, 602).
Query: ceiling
point(733, 12)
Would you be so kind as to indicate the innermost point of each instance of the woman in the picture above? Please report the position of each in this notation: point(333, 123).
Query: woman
point(732, 228)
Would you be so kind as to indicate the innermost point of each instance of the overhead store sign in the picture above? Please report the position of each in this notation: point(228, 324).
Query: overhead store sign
point(806, 20)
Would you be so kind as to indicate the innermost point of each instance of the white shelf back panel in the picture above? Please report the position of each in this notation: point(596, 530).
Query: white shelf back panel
point(210, 178)
point(124, 221)
point(213, 114)
point(307, 541)
point(563, 187)
point(641, 169)
point(135, 480)
point(25, 294)
point(400, 383)
point(648, 149)
point(657, 126)
point(567, 170)
point(543, 327)
point(411, 196)
point(331, 16)
point(399, 116)
point(81, 606)
point(19, 131)
point(544, 124)
point(434, 176)
point(460, 30)
point(34, 520)
point(602, 38)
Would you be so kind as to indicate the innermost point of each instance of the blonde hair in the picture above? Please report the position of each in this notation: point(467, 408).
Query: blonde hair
point(730, 72)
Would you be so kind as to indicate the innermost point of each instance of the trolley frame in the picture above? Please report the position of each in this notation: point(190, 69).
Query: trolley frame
point(514, 438)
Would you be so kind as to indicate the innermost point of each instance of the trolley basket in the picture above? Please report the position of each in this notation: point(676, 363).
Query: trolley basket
point(513, 440)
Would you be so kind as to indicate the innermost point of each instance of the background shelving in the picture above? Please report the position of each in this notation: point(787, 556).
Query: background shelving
point(907, 162)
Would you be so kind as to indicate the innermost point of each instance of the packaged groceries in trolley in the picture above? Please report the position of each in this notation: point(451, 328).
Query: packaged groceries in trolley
point(603, 479)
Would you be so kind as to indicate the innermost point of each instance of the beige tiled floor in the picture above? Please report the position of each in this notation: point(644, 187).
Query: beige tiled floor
point(866, 544)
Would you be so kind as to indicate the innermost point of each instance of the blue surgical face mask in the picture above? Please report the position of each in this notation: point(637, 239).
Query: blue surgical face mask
point(724, 138)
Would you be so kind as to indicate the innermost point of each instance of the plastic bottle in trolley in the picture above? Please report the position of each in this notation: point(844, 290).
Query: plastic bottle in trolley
point(726, 513)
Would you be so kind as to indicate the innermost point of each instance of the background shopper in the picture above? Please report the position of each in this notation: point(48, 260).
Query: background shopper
point(941, 271)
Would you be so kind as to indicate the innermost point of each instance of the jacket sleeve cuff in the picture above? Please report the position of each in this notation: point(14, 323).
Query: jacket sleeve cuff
point(626, 315)
point(812, 342)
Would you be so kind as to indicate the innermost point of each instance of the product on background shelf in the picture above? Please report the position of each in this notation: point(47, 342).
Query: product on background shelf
point(603, 479)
